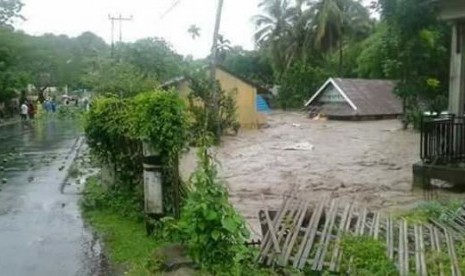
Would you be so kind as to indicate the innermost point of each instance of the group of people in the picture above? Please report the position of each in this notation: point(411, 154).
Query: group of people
point(28, 111)
point(49, 105)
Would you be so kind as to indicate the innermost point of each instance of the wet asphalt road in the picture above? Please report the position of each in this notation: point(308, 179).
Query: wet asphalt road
point(41, 229)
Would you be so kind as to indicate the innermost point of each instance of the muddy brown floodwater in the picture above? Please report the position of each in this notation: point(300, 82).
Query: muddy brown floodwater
point(365, 162)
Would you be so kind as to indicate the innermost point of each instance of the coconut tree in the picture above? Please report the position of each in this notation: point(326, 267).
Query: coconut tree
point(222, 48)
point(332, 21)
point(273, 29)
point(194, 31)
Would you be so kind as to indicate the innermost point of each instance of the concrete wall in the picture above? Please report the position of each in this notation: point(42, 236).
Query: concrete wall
point(452, 9)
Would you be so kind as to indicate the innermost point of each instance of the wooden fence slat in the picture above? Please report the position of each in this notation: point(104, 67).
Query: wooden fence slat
point(374, 229)
point(452, 254)
point(276, 223)
point(417, 250)
point(420, 264)
point(295, 233)
point(281, 234)
point(361, 222)
point(309, 237)
point(403, 248)
point(319, 257)
point(436, 246)
point(271, 228)
point(390, 237)
point(342, 226)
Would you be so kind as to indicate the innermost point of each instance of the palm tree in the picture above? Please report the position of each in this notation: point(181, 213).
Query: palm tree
point(222, 49)
point(194, 31)
point(274, 27)
point(332, 21)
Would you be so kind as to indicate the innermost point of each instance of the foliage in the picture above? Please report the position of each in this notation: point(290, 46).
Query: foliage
point(194, 31)
point(290, 31)
point(9, 10)
point(214, 111)
point(119, 222)
point(153, 58)
point(66, 112)
point(251, 65)
point(115, 129)
point(118, 78)
point(299, 83)
point(365, 256)
point(436, 210)
point(209, 226)
point(11, 78)
point(412, 47)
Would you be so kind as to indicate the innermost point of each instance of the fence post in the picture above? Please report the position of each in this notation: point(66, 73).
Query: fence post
point(153, 192)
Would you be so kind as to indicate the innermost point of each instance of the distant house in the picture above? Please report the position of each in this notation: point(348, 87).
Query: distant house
point(250, 103)
point(356, 99)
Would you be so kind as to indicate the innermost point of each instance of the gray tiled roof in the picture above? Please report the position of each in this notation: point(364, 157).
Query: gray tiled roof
point(370, 97)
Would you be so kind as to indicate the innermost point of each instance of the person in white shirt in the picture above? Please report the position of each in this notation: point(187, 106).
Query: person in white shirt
point(24, 111)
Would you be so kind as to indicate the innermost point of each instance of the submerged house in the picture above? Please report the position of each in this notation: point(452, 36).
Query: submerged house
point(251, 106)
point(356, 99)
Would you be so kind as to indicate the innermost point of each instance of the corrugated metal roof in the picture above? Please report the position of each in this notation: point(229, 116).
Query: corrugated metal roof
point(367, 97)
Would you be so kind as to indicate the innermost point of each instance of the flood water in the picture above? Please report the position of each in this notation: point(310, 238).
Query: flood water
point(368, 163)
point(41, 229)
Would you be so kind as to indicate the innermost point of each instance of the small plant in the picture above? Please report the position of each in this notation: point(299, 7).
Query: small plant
point(210, 227)
point(432, 210)
point(365, 256)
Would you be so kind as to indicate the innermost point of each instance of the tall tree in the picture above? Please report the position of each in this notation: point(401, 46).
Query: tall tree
point(337, 20)
point(274, 26)
point(194, 31)
point(222, 48)
point(9, 10)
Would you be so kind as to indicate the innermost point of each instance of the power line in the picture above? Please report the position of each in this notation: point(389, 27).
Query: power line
point(171, 8)
point(120, 20)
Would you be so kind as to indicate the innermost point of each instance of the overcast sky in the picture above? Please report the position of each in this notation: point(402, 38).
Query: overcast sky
point(72, 17)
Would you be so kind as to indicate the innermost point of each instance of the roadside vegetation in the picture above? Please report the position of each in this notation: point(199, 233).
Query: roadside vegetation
point(299, 45)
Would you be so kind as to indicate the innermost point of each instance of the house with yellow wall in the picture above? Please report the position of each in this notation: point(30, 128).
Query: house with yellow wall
point(251, 108)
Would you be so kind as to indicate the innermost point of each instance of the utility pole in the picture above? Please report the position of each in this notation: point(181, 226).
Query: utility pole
point(120, 20)
point(215, 95)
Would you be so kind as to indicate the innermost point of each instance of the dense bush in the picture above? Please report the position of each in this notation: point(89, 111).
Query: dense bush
point(115, 129)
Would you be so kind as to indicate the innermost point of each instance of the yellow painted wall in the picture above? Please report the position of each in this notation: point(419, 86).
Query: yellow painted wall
point(245, 95)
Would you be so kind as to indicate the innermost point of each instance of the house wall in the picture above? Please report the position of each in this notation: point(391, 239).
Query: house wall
point(245, 96)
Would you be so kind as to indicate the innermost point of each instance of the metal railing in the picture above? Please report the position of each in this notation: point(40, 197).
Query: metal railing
point(443, 139)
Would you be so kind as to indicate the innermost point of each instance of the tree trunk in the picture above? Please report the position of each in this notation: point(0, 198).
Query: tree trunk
point(340, 58)
point(41, 94)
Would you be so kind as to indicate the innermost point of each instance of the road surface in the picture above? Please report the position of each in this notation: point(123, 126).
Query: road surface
point(41, 229)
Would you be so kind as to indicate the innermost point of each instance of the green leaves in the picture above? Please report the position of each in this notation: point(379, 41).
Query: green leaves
point(213, 231)
point(229, 224)
point(115, 129)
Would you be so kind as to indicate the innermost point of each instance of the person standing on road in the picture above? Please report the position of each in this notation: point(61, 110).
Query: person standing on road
point(31, 111)
point(24, 111)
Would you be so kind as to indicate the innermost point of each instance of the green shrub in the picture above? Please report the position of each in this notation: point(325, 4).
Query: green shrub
point(437, 210)
point(365, 256)
point(116, 128)
point(210, 227)
point(122, 202)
